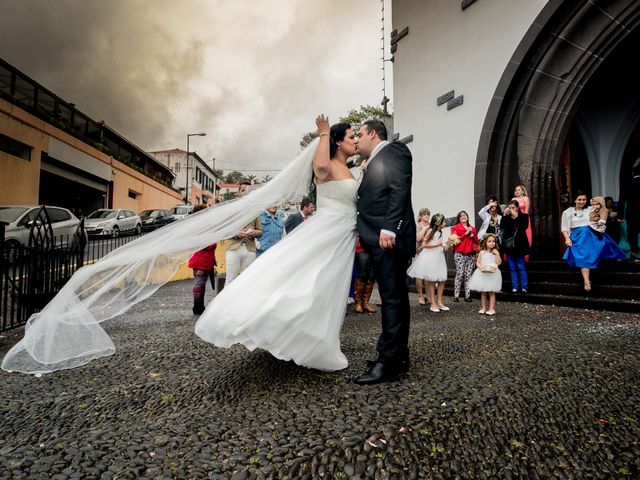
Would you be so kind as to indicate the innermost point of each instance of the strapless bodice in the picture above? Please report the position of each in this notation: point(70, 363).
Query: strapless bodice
point(338, 197)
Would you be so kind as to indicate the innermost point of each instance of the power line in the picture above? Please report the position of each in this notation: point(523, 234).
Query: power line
point(250, 170)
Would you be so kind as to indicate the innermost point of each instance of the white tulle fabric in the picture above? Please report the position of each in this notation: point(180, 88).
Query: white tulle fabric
point(291, 301)
point(67, 332)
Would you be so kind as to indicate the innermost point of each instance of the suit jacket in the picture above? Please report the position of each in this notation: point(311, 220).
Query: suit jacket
point(234, 243)
point(293, 221)
point(384, 198)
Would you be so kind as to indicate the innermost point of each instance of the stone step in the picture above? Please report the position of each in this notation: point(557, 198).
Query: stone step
point(573, 276)
point(607, 266)
point(588, 302)
point(578, 300)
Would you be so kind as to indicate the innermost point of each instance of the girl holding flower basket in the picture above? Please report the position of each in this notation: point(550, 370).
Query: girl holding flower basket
point(487, 278)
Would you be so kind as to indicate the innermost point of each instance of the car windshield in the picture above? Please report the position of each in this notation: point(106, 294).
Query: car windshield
point(103, 214)
point(146, 213)
point(10, 214)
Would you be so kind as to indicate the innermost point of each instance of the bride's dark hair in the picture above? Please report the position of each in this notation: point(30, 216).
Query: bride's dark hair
point(337, 134)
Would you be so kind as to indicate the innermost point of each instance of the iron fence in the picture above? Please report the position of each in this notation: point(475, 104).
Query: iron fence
point(31, 275)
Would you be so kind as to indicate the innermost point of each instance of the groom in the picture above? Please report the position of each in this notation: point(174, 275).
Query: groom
point(388, 233)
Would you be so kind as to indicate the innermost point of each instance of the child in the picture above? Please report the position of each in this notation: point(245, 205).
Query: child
point(598, 215)
point(487, 277)
point(202, 263)
point(430, 264)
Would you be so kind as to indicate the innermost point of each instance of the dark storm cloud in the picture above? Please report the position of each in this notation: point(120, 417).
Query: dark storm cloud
point(250, 74)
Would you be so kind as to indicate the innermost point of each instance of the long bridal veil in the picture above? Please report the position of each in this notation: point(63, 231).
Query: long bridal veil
point(67, 332)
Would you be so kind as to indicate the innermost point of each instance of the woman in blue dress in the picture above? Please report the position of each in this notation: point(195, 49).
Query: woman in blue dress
point(587, 243)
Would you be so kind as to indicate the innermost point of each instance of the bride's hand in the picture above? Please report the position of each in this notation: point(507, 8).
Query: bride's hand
point(322, 123)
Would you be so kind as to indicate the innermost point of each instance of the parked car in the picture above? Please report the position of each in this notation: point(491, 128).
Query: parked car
point(152, 219)
point(20, 218)
point(181, 211)
point(113, 222)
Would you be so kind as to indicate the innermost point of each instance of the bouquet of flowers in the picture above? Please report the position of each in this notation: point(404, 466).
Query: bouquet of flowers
point(454, 240)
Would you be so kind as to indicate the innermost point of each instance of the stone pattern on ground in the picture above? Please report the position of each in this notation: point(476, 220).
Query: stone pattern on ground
point(534, 392)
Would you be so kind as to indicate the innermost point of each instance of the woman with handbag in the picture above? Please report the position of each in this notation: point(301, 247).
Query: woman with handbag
point(516, 245)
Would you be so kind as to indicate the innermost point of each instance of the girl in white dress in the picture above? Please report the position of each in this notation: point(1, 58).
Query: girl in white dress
point(487, 278)
point(430, 264)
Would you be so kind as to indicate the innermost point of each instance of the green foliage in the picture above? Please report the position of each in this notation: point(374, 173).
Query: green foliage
point(355, 117)
point(366, 112)
point(235, 177)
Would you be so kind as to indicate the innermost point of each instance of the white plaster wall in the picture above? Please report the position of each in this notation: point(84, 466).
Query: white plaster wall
point(450, 49)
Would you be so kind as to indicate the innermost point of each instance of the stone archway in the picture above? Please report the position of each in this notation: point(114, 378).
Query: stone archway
point(536, 102)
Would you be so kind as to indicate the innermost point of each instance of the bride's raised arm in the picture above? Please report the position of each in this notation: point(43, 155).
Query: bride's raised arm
point(322, 159)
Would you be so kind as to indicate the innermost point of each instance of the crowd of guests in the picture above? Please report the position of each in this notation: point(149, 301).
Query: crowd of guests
point(244, 247)
point(591, 234)
point(477, 254)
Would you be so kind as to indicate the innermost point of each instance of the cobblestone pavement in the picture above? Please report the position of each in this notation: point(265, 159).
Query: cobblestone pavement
point(534, 392)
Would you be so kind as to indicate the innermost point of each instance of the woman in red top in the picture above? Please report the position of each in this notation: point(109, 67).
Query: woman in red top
point(202, 263)
point(464, 241)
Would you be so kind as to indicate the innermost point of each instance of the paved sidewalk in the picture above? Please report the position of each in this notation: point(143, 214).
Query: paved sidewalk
point(534, 392)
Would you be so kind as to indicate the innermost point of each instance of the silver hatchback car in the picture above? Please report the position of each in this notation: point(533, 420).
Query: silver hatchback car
point(20, 219)
point(113, 222)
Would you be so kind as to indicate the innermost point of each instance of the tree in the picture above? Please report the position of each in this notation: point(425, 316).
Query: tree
point(234, 177)
point(307, 138)
point(266, 178)
point(367, 112)
point(355, 117)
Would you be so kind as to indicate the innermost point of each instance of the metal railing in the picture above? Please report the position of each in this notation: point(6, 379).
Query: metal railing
point(31, 275)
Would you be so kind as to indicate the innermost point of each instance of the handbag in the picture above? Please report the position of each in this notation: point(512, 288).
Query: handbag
point(510, 243)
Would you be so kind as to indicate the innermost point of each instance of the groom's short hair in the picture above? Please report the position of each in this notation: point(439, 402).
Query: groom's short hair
point(378, 127)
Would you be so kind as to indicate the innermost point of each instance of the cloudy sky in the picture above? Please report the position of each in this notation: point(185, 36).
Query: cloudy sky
point(251, 74)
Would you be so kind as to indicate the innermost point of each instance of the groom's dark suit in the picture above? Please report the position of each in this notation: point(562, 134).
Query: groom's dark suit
point(384, 203)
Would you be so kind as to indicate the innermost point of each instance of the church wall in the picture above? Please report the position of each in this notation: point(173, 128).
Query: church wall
point(446, 49)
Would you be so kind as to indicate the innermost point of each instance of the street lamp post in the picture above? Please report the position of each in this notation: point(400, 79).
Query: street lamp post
point(215, 179)
point(187, 198)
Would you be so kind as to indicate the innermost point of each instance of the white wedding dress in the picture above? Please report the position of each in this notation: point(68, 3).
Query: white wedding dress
point(292, 300)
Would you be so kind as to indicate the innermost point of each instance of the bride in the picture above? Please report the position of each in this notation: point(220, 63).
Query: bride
point(291, 301)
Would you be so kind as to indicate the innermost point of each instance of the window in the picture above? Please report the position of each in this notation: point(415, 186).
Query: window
point(24, 92)
point(29, 217)
point(15, 148)
point(58, 215)
point(5, 81)
point(46, 105)
point(177, 167)
point(133, 194)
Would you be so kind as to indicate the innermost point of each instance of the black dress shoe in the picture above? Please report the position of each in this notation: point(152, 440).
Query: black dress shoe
point(377, 374)
point(400, 367)
point(468, 299)
point(456, 299)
